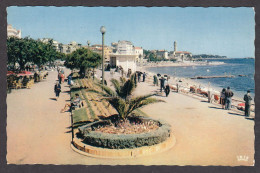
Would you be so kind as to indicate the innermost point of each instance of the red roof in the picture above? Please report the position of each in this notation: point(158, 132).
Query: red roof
point(138, 47)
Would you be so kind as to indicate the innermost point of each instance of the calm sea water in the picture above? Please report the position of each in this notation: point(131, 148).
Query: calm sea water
point(234, 66)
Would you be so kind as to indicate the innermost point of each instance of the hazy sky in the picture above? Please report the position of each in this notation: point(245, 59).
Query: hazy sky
point(218, 30)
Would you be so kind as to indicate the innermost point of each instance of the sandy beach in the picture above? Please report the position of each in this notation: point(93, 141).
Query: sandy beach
point(37, 133)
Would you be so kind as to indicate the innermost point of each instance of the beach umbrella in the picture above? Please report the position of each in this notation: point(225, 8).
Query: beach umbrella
point(10, 73)
point(241, 104)
point(24, 73)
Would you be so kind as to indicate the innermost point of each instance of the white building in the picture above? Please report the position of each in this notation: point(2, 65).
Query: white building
point(12, 32)
point(55, 44)
point(162, 54)
point(125, 56)
point(140, 52)
point(180, 55)
point(68, 48)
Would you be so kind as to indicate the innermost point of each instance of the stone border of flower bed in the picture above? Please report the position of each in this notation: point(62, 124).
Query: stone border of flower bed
point(98, 152)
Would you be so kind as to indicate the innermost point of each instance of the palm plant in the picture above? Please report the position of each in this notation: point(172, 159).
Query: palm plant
point(120, 99)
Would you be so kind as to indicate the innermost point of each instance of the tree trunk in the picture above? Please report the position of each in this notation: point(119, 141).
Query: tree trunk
point(82, 72)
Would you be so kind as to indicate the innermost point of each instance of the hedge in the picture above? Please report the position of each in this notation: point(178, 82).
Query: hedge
point(123, 141)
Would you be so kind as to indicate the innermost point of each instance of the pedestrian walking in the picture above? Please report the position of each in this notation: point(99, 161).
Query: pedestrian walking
point(69, 79)
point(222, 97)
point(155, 80)
point(57, 90)
point(59, 77)
point(247, 99)
point(62, 77)
point(228, 98)
point(162, 80)
point(144, 75)
point(139, 76)
point(167, 88)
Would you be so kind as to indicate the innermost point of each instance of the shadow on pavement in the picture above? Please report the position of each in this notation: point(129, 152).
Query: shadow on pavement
point(250, 118)
point(53, 99)
point(65, 91)
point(235, 114)
point(215, 107)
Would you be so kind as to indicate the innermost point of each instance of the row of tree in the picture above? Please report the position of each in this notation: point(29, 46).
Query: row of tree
point(27, 50)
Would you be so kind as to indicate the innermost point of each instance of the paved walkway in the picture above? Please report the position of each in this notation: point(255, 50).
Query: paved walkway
point(38, 133)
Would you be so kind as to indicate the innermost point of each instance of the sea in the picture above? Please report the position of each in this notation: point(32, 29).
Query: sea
point(233, 66)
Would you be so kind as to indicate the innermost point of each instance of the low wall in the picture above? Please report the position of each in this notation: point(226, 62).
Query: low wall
point(99, 152)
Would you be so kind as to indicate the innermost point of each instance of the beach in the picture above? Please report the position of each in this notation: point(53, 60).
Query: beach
point(37, 133)
point(179, 64)
point(236, 73)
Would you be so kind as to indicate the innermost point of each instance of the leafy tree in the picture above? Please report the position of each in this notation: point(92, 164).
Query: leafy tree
point(83, 59)
point(20, 51)
point(119, 97)
point(27, 50)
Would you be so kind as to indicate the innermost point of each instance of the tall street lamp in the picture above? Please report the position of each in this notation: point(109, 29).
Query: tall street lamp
point(103, 30)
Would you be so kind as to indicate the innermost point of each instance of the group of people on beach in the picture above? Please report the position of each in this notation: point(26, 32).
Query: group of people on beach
point(226, 100)
point(164, 84)
point(139, 74)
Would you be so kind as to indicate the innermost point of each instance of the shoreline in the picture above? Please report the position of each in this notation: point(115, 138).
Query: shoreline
point(187, 83)
point(179, 64)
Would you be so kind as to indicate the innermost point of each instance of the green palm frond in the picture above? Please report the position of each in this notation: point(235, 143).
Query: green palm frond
point(116, 85)
point(132, 77)
point(127, 88)
point(119, 104)
point(122, 80)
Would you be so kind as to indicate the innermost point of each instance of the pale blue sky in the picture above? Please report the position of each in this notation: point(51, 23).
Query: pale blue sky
point(214, 30)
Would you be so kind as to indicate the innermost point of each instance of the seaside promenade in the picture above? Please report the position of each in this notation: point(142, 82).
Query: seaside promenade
point(37, 133)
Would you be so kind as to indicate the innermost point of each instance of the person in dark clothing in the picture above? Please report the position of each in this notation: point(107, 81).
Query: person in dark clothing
point(35, 77)
point(59, 77)
point(139, 76)
point(69, 79)
point(155, 80)
point(222, 97)
point(57, 90)
point(167, 90)
point(247, 99)
point(144, 75)
point(25, 80)
point(162, 80)
point(228, 95)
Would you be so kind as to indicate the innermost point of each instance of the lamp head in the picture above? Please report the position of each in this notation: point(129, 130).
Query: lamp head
point(102, 29)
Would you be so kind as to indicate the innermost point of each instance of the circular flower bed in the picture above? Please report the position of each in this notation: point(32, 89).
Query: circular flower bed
point(152, 132)
point(126, 127)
